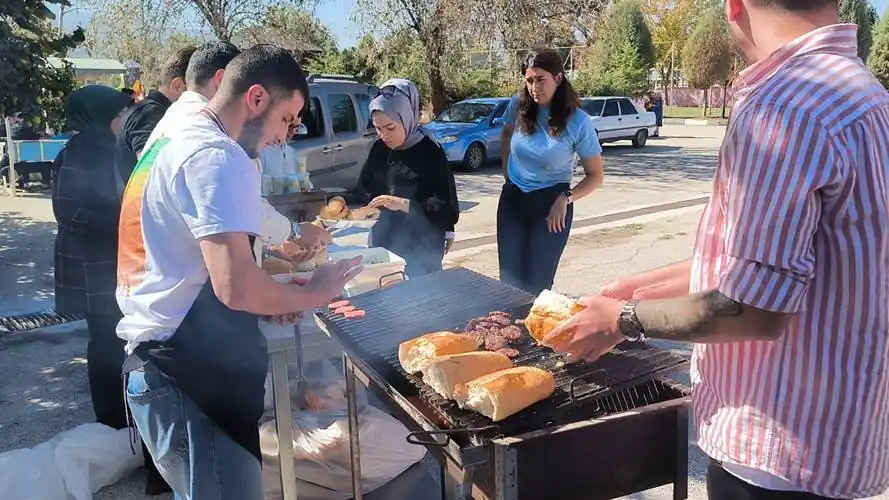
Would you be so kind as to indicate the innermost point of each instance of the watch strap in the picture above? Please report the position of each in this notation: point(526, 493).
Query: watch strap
point(568, 194)
point(629, 323)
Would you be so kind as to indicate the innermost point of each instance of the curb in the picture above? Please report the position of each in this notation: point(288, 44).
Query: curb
point(592, 223)
point(696, 122)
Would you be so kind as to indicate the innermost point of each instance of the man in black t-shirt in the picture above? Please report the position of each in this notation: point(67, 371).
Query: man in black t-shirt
point(138, 122)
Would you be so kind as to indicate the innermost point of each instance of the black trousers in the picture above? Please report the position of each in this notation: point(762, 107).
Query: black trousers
point(105, 356)
point(528, 252)
point(722, 485)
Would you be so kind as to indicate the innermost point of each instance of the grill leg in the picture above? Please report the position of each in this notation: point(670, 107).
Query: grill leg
point(680, 485)
point(448, 484)
point(466, 485)
point(354, 445)
point(284, 423)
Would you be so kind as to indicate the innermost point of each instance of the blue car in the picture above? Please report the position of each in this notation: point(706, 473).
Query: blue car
point(469, 131)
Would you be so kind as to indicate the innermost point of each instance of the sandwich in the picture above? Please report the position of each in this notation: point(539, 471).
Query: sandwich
point(504, 393)
point(416, 353)
point(364, 213)
point(336, 209)
point(548, 311)
point(443, 374)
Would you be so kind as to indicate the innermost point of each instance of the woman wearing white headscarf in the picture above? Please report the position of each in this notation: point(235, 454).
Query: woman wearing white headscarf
point(408, 177)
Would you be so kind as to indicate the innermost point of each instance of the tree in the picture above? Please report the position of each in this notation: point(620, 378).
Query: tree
point(30, 84)
point(707, 56)
point(879, 56)
point(361, 61)
point(292, 28)
point(862, 13)
point(147, 32)
point(227, 18)
point(624, 53)
point(672, 22)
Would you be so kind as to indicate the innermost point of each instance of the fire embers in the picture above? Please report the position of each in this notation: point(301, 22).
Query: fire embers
point(495, 332)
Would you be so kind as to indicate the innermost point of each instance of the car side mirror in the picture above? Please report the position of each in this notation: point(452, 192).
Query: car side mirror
point(497, 121)
point(301, 130)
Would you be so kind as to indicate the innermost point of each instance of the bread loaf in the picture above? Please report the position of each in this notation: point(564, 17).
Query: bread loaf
point(306, 266)
point(444, 373)
point(364, 213)
point(504, 393)
point(549, 309)
point(274, 265)
point(336, 209)
point(416, 353)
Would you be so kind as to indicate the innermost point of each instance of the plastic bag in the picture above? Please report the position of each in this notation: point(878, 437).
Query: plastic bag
point(92, 456)
point(72, 465)
point(321, 442)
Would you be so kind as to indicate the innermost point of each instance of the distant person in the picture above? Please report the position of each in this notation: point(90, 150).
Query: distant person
point(140, 120)
point(86, 207)
point(203, 77)
point(544, 132)
point(407, 176)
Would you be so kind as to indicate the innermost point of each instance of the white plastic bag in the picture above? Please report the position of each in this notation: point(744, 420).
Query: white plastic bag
point(72, 465)
point(92, 456)
point(31, 474)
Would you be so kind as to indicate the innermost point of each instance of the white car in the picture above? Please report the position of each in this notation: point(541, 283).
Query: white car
point(619, 118)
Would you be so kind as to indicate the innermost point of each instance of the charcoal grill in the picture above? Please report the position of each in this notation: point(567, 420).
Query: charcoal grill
point(612, 428)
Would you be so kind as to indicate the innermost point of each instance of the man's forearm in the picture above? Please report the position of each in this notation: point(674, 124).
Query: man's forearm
point(708, 317)
point(264, 296)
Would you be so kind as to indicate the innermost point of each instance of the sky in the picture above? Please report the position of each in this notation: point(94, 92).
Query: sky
point(337, 15)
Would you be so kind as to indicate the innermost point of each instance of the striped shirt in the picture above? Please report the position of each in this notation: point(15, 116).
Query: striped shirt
point(798, 223)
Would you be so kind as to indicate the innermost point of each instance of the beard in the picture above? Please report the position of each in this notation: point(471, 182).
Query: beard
point(251, 135)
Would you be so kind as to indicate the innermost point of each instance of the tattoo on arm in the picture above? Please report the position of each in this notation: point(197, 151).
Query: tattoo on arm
point(693, 318)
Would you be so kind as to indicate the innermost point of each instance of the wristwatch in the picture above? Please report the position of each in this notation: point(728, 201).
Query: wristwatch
point(295, 231)
point(629, 324)
point(568, 194)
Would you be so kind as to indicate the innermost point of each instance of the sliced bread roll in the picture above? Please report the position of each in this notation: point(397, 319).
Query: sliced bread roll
point(416, 353)
point(502, 394)
point(364, 213)
point(444, 373)
point(549, 309)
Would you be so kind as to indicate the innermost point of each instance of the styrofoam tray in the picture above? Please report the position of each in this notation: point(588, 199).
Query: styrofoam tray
point(337, 226)
point(371, 257)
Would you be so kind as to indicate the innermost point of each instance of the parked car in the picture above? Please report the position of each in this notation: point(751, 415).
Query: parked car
point(619, 118)
point(469, 131)
point(337, 132)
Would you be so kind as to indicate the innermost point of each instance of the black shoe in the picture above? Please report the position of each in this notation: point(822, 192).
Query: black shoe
point(155, 484)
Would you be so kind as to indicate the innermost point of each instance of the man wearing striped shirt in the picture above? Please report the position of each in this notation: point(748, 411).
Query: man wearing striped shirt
point(786, 294)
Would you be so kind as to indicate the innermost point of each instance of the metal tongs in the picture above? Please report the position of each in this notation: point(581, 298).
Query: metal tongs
point(302, 385)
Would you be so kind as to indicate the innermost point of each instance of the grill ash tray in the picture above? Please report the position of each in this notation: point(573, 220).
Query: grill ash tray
point(448, 300)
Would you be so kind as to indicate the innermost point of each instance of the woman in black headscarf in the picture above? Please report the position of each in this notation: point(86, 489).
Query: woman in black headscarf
point(87, 208)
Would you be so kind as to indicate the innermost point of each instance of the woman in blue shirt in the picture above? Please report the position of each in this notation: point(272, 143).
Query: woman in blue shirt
point(543, 131)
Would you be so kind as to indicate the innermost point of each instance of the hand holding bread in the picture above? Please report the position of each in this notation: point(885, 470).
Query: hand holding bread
point(588, 333)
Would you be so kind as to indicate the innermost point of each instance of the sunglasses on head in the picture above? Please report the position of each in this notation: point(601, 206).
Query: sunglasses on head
point(390, 91)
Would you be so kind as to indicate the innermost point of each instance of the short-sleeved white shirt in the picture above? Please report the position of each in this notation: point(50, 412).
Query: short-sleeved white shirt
point(196, 184)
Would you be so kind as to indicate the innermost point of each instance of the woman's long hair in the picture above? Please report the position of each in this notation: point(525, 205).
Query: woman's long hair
point(565, 101)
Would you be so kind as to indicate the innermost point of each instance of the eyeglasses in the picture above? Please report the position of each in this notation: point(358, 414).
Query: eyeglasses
point(390, 91)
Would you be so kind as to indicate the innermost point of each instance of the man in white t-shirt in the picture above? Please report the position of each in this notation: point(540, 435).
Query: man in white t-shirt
point(203, 77)
point(190, 289)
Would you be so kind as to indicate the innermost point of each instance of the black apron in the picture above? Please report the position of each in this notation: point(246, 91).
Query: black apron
point(219, 359)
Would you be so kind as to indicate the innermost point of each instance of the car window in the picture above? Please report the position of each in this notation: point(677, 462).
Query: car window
point(313, 119)
point(611, 108)
point(593, 107)
point(501, 108)
point(627, 108)
point(363, 103)
point(342, 113)
point(466, 112)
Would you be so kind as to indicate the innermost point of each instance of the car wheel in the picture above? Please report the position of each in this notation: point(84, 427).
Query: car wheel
point(475, 157)
point(640, 138)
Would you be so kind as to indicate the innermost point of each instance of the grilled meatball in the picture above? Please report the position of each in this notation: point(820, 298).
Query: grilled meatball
point(511, 333)
point(495, 341)
point(508, 351)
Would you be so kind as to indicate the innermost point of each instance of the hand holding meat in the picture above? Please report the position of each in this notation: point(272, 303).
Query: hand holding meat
point(555, 221)
point(329, 280)
point(313, 236)
point(590, 332)
point(393, 203)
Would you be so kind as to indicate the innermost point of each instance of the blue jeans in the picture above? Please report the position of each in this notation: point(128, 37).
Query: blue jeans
point(197, 459)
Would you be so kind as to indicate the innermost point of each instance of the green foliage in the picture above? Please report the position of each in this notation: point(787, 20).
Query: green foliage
point(862, 13)
point(707, 56)
point(288, 26)
point(359, 61)
point(478, 83)
point(879, 56)
point(623, 53)
point(29, 84)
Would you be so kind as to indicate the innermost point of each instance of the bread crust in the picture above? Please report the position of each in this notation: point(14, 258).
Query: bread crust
point(504, 393)
point(444, 373)
point(548, 311)
point(364, 213)
point(414, 354)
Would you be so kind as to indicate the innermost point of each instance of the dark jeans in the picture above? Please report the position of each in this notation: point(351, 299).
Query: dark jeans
point(529, 253)
point(722, 485)
point(105, 356)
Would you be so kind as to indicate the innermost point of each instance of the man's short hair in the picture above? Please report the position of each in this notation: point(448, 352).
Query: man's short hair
point(270, 66)
point(207, 60)
point(177, 64)
point(798, 5)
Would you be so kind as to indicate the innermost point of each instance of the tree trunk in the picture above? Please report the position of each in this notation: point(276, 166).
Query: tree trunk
point(706, 101)
point(724, 97)
point(435, 49)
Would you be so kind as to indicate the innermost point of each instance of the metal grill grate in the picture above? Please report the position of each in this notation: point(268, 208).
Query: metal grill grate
point(447, 301)
point(33, 321)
